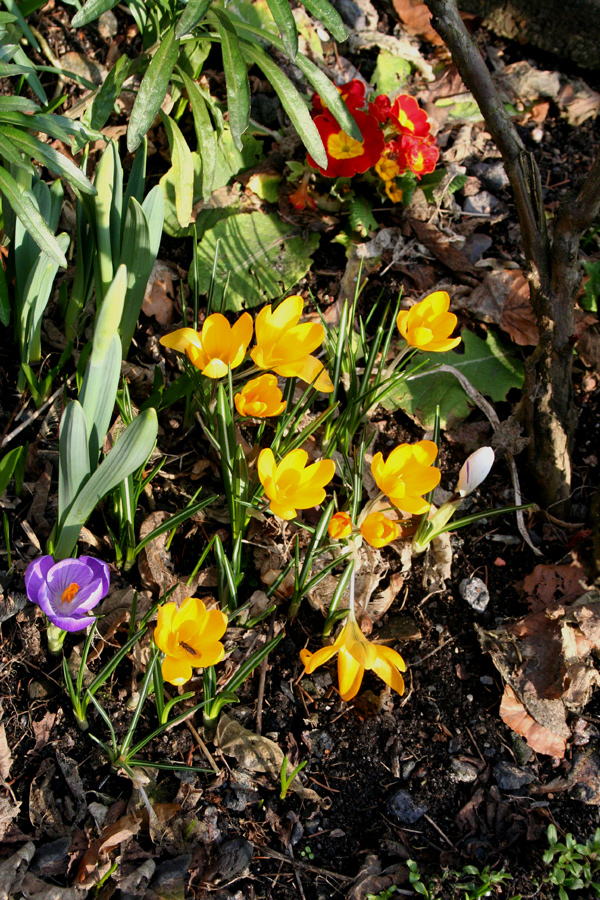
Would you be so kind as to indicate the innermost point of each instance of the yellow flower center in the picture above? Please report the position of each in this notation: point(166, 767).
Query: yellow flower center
point(69, 592)
point(342, 146)
point(404, 121)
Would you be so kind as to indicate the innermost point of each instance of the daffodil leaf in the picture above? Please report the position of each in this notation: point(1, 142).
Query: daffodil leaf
point(490, 366)
point(260, 257)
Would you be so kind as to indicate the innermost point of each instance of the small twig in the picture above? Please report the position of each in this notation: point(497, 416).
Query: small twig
point(439, 830)
point(306, 866)
point(492, 415)
point(290, 851)
point(35, 415)
point(474, 742)
point(419, 662)
point(263, 676)
point(199, 741)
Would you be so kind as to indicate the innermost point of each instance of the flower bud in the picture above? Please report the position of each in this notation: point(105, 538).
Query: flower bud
point(340, 526)
point(475, 470)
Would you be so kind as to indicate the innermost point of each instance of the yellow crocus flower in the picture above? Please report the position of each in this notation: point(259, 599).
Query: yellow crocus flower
point(293, 485)
point(260, 397)
point(218, 347)
point(407, 474)
point(189, 636)
point(428, 325)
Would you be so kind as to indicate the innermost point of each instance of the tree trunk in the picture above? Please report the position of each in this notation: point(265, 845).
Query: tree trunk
point(568, 28)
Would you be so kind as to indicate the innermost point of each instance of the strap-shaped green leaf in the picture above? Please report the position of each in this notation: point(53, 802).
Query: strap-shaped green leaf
point(11, 155)
point(152, 90)
point(98, 394)
point(8, 465)
point(129, 453)
point(4, 300)
point(205, 133)
point(136, 183)
point(18, 104)
point(236, 78)
point(191, 16)
point(139, 250)
point(329, 16)
point(281, 12)
point(320, 82)
point(55, 161)
point(183, 170)
point(36, 295)
point(13, 8)
point(291, 101)
point(91, 10)
point(73, 461)
point(107, 94)
point(25, 210)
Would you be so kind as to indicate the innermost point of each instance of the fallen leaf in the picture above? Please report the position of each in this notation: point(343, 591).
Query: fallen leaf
point(42, 729)
point(503, 299)
point(549, 584)
point(540, 739)
point(9, 810)
point(529, 83)
point(6, 759)
point(257, 754)
point(446, 252)
point(160, 293)
point(13, 869)
point(416, 18)
point(578, 102)
point(43, 810)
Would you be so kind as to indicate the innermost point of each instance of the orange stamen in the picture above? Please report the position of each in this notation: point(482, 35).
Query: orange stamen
point(69, 592)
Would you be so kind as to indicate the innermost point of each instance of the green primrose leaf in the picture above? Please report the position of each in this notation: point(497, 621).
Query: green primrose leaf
point(236, 77)
point(152, 90)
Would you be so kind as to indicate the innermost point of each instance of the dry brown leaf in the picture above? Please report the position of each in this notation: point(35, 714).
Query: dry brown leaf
point(416, 18)
point(503, 299)
point(578, 102)
point(6, 759)
point(13, 869)
point(112, 836)
point(9, 810)
point(257, 754)
point(549, 584)
point(446, 252)
point(42, 729)
point(540, 739)
point(43, 810)
point(160, 293)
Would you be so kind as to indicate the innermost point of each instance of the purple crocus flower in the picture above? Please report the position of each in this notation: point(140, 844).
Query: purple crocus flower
point(66, 591)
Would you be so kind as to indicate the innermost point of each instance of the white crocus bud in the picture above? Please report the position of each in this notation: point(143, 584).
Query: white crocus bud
point(474, 471)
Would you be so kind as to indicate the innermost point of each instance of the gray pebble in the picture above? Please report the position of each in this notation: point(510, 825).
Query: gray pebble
point(319, 741)
point(475, 592)
point(463, 770)
point(510, 777)
point(492, 174)
point(483, 204)
point(408, 768)
point(404, 808)
point(476, 245)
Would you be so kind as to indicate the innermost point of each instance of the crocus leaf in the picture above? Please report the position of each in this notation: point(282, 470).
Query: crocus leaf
point(73, 462)
point(152, 90)
point(490, 366)
point(205, 134)
point(129, 453)
point(26, 211)
point(8, 464)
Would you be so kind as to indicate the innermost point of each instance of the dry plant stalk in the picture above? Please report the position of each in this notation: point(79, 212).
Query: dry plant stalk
point(552, 268)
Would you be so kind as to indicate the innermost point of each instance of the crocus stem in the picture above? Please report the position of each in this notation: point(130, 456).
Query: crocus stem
point(56, 638)
point(351, 597)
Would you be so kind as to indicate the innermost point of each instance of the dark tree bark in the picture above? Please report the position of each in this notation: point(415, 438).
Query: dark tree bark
point(569, 28)
point(552, 268)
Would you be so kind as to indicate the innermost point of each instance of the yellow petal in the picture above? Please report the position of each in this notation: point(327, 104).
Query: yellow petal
point(181, 339)
point(389, 673)
point(216, 337)
point(313, 369)
point(216, 368)
point(312, 661)
point(350, 675)
point(413, 505)
point(283, 509)
point(266, 465)
point(176, 671)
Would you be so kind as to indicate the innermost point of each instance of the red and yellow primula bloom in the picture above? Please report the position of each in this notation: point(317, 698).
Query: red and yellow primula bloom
point(217, 348)
point(293, 485)
point(352, 93)
point(260, 397)
point(285, 345)
point(355, 655)
point(407, 474)
point(428, 325)
point(409, 118)
point(189, 636)
point(345, 155)
point(420, 155)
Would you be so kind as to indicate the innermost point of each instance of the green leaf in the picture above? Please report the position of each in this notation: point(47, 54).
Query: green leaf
point(205, 134)
point(152, 90)
point(183, 170)
point(259, 254)
point(141, 240)
point(329, 16)
point(26, 211)
point(129, 453)
point(91, 10)
point(291, 101)
point(281, 12)
point(489, 365)
point(106, 96)
point(361, 216)
point(44, 153)
point(4, 299)
point(236, 78)
point(391, 72)
point(36, 294)
point(191, 16)
point(73, 461)
point(8, 464)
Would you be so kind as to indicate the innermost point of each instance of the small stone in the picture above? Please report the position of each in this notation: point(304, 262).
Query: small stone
point(107, 25)
point(454, 745)
point(493, 175)
point(476, 245)
point(510, 777)
point(482, 204)
point(522, 750)
point(485, 679)
point(51, 859)
point(405, 809)
point(38, 690)
point(234, 856)
point(475, 592)
point(462, 770)
point(319, 742)
point(407, 769)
